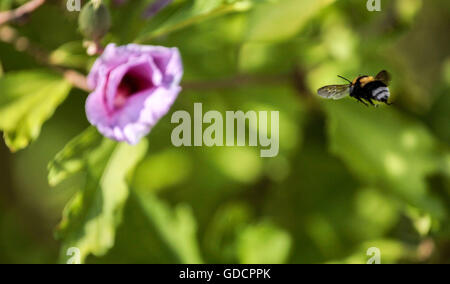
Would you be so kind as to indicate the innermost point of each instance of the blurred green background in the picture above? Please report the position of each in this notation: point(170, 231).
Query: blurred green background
point(347, 177)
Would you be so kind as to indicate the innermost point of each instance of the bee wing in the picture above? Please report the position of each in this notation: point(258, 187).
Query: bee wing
point(384, 77)
point(335, 92)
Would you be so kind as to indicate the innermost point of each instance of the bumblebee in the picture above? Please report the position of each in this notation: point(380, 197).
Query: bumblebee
point(363, 88)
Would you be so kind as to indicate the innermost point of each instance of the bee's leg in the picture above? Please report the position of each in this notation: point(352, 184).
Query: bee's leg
point(359, 99)
point(386, 102)
point(370, 101)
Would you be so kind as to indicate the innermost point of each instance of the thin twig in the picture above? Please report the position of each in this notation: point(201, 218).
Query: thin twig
point(23, 10)
point(77, 80)
point(23, 44)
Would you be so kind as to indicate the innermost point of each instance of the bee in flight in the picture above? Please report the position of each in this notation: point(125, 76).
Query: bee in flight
point(363, 88)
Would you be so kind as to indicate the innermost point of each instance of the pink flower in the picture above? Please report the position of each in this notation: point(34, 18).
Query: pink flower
point(134, 86)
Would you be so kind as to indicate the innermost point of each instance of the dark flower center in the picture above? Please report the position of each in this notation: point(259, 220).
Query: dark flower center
point(132, 83)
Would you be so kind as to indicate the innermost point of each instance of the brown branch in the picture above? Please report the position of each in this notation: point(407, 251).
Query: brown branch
point(23, 44)
point(77, 80)
point(23, 10)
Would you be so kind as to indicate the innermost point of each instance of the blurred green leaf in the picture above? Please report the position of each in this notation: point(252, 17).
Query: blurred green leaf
point(223, 232)
point(242, 164)
point(376, 213)
point(178, 16)
point(6, 5)
point(177, 228)
point(408, 9)
point(281, 20)
point(263, 244)
point(27, 100)
point(90, 219)
point(74, 156)
point(385, 148)
point(162, 170)
point(422, 222)
point(71, 54)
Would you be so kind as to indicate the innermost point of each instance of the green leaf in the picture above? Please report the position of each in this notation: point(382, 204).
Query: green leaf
point(177, 228)
point(6, 5)
point(281, 20)
point(264, 244)
point(224, 229)
point(384, 148)
point(71, 54)
point(27, 100)
point(190, 13)
point(74, 156)
point(374, 214)
point(162, 170)
point(91, 218)
point(242, 164)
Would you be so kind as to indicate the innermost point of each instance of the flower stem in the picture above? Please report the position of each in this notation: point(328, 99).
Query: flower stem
point(26, 8)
